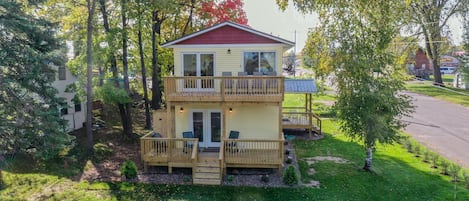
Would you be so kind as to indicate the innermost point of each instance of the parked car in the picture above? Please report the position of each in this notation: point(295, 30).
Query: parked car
point(447, 70)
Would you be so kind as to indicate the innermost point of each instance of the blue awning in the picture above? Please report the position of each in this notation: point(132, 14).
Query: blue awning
point(304, 86)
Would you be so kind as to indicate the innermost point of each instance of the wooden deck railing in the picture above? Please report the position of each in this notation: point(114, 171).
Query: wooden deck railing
point(253, 152)
point(163, 151)
point(241, 88)
point(296, 117)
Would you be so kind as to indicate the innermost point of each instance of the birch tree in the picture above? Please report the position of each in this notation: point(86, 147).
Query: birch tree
point(355, 39)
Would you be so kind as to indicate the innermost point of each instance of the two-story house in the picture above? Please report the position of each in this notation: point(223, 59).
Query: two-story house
point(74, 112)
point(224, 104)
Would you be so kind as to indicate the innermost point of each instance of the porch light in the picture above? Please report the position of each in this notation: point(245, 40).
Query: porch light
point(228, 51)
point(231, 109)
point(181, 110)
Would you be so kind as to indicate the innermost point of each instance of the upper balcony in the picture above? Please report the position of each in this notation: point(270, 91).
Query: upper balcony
point(226, 88)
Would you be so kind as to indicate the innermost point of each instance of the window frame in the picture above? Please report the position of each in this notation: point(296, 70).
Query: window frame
point(62, 73)
point(274, 68)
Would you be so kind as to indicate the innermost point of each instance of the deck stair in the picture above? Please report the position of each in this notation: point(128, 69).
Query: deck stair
point(207, 171)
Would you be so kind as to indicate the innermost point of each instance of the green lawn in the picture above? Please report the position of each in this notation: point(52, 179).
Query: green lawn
point(398, 175)
point(429, 90)
point(447, 79)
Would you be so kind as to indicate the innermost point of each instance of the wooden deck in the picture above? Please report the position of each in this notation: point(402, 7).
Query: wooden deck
point(208, 168)
point(229, 89)
point(293, 118)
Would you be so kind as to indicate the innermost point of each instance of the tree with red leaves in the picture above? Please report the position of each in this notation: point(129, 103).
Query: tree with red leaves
point(214, 12)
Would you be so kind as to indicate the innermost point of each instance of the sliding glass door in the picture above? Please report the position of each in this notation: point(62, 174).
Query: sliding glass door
point(199, 66)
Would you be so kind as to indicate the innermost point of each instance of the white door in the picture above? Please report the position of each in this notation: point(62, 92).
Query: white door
point(199, 65)
point(206, 125)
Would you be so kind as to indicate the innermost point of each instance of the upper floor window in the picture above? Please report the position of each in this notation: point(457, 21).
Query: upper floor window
point(77, 107)
point(63, 111)
point(263, 62)
point(198, 64)
point(62, 73)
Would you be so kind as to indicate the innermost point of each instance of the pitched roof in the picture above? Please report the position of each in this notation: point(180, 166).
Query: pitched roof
point(305, 86)
point(228, 33)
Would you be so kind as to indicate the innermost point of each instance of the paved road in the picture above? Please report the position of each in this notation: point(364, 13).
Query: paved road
point(441, 126)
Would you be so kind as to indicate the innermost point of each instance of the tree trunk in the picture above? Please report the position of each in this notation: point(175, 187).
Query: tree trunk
point(91, 4)
point(113, 60)
point(101, 76)
point(189, 19)
point(128, 114)
point(144, 71)
point(156, 90)
point(369, 159)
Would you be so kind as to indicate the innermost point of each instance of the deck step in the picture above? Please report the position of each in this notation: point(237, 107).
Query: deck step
point(207, 172)
point(201, 169)
point(207, 181)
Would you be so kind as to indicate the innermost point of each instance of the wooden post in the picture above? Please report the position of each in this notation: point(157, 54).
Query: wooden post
point(223, 122)
point(280, 126)
point(169, 122)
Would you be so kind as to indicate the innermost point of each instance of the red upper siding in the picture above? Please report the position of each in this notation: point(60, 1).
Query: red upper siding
point(227, 35)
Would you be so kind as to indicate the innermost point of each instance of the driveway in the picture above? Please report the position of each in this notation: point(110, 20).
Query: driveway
point(441, 126)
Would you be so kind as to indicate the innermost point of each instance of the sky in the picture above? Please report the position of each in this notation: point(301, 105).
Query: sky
point(265, 16)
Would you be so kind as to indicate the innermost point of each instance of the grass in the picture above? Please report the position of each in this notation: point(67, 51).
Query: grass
point(446, 78)
point(397, 175)
point(429, 90)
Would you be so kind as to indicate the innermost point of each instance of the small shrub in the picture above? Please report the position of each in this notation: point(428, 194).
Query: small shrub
point(426, 156)
point(417, 150)
point(434, 159)
point(409, 146)
point(444, 167)
point(454, 171)
point(289, 161)
point(465, 176)
point(287, 152)
point(290, 177)
point(230, 178)
point(186, 178)
point(101, 151)
point(265, 178)
point(129, 169)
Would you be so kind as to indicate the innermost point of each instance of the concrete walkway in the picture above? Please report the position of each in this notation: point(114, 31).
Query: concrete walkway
point(441, 126)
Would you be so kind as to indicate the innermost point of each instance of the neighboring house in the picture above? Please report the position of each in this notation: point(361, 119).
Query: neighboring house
point(224, 104)
point(75, 110)
point(422, 66)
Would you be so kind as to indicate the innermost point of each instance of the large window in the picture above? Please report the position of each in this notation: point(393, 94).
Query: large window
point(263, 62)
point(62, 73)
point(200, 65)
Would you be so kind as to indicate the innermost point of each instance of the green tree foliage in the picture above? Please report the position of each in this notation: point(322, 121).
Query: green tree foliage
point(355, 38)
point(431, 18)
point(29, 117)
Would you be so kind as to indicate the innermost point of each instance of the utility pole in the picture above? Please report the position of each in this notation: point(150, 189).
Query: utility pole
point(294, 57)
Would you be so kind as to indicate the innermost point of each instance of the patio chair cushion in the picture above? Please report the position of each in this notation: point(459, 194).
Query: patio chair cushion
point(188, 134)
point(233, 135)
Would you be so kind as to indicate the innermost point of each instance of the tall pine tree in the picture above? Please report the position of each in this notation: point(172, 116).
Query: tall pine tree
point(29, 117)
